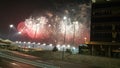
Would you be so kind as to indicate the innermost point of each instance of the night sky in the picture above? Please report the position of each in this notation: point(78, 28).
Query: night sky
point(15, 11)
point(12, 12)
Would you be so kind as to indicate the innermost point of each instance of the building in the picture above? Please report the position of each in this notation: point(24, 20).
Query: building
point(105, 28)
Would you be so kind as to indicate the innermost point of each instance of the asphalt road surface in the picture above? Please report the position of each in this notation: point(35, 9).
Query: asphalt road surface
point(7, 63)
point(21, 61)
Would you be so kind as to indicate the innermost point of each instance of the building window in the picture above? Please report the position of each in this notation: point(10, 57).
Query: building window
point(94, 1)
point(107, 0)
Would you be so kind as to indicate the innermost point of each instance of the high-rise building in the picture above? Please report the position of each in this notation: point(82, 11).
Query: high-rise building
point(105, 27)
point(105, 21)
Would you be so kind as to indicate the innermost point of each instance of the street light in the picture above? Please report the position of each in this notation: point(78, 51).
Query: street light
point(11, 26)
point(68, 46)
point(58, 46)
point(65, 18)
point(19, 32)
point(38, 43)
point(63, 46)
point(85, 39)
point(29, 42)
point(73, 48)
point(24, 42)
point(44, 44)
point(74, 25)
point(19, 42)
point(19, 37)
point(50, 45)
point(33, 44)
point(49, 25)
point(24, 45)
point(16, 41)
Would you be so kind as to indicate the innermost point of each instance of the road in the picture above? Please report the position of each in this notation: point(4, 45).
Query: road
point(6, 54)
point(7, 63)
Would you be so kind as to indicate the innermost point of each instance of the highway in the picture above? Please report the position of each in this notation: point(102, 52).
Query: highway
point(26, 61)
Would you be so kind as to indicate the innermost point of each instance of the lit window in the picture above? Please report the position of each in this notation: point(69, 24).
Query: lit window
point(107, 0)
point(93, 1)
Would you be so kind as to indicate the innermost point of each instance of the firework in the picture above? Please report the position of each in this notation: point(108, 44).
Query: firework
point(34, 28)
point(73, 26)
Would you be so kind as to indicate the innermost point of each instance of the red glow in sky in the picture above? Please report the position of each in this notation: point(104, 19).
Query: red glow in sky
point(35, 34)
point(72, 27)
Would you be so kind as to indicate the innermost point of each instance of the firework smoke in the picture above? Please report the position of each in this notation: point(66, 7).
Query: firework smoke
point(52, 27)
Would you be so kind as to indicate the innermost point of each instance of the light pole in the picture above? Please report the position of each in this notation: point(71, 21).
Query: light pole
point(64, 18)
point(19, 37)
point(63, 53)
point(29, 44)
point(74, 31)
point(38, 45)
point(24, 46)
point(20, 45)
point(85, 39)
point(10, 27)
point(33, 45)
